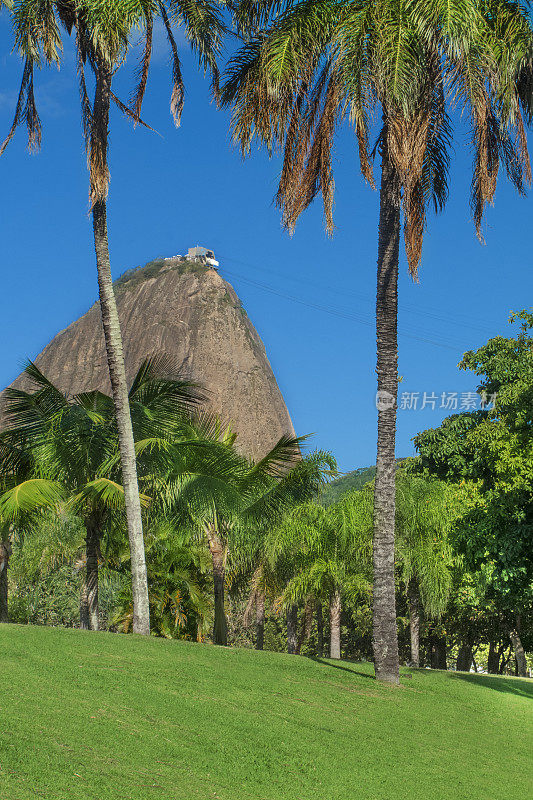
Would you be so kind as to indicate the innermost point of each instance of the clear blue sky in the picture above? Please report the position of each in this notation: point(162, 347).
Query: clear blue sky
point(310, 297)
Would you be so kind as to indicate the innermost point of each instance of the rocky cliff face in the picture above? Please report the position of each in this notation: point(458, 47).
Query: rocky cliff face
point(190, 313)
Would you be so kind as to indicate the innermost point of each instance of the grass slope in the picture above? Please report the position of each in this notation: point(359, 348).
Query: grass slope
point(105, 716)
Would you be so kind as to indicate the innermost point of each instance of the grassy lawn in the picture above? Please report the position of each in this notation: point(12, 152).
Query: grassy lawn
point(103, 716)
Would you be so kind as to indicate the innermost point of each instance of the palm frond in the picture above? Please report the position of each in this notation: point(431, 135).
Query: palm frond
point(104, 493)
point(178, 90)
point(29, 496)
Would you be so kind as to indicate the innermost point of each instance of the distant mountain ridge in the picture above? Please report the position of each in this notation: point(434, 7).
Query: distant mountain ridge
point(186, 311)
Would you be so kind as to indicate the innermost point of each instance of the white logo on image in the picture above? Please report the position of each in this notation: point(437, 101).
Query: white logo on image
point(384, 400)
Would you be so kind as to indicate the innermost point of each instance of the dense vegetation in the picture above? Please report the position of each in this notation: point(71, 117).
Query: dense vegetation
point(122, 718)
point(275, 554)
point(396, 70)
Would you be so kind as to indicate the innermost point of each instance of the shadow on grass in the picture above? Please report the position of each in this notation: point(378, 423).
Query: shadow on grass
point(341, 666)
point(519, 686)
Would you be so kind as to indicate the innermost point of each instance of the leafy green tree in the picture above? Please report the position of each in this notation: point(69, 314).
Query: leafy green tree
point(489, 458)
point(102, 31)
point(301, 74)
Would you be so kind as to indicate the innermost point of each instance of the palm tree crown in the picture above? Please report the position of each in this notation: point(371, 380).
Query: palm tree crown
point(320, 63)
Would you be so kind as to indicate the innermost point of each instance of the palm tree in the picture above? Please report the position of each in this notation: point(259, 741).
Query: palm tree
point(327, 550)
point(57, 448)
point(319, 63)
point(102, 31)
point(178, 570)
point(223, 494)
point(249, 557)
point(424, 554)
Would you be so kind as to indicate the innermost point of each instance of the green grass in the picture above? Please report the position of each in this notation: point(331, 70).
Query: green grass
point(101, 716)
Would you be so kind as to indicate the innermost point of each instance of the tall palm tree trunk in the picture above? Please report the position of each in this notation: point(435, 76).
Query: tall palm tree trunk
point(4, 608)
point(5, 552)
point(319, 630)
point(91, 547)
point(218, 558)
point(414, 621)
point(385, 638)
point(335, 608)
point(115, 356)
point(260, 621)
point(84, 603)
point(307, 622)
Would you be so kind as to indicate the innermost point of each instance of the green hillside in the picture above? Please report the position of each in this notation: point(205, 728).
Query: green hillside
point(351, 480)
point(98, 716)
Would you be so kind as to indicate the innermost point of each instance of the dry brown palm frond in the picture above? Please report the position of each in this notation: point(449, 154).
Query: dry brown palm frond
point(312, 169)
point(486, 162)
point(142, 72)
point(261, 108)
point(26, 111)
point(250, 605)
point(21, 100)
point(365, 163)
point(33, 123)
point(86, 109)
point(406, 144)
point(299, 134)
point(178, 91)
point(130, 114)
point(522, 146)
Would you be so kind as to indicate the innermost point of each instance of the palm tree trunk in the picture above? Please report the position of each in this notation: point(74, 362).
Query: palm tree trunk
point(414, 621)
point(335, 608)
point(84, 602)
point(292, 629)
point(218, 558)
point(305, 624)
point(115, 357)
point(518, 647)
point(385, 637)
point(260, 621)
point(319, 630)
point(92, 547)
point(5, 551)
